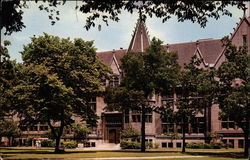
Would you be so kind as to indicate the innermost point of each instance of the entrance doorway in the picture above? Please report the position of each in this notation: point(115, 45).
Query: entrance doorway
point(114, 136)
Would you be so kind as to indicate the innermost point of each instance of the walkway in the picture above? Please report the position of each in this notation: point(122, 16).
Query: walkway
point(114, 158)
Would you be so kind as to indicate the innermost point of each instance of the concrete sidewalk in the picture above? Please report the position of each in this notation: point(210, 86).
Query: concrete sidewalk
point(114, 158)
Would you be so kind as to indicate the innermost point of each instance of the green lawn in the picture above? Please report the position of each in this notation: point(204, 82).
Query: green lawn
point(32, 153)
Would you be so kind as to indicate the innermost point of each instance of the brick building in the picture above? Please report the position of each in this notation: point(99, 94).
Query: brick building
point(110, 124)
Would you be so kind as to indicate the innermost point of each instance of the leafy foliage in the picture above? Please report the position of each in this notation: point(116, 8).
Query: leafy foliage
point(130, 133)
point(56, 80)
point(7, 79)
point(125, 144)
point(234, 87)
point(70, 144)
point(195, 11)
point(80, 132)
point(9, 129)
point(151, 72)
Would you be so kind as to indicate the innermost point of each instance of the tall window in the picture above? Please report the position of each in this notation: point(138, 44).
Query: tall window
point(127, 116)
point(148, 117)
point(227, 123)
point(167, 126)
point(92, 103)
point(136, 116)
point(244, 39)
point(114, 81)
point(198, 125)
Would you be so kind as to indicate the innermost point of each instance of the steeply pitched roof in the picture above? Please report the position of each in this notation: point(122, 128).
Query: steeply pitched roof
point(140, 39)
point(185, 51)
point(107, 56)
point(209, 49)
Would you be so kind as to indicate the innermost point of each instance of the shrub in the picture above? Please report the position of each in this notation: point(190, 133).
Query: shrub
point(214, 145)
point(156, 145)
point(70, 144)
point(149, 145)
point(130, 133)
point(129, 145)
point(47, 143)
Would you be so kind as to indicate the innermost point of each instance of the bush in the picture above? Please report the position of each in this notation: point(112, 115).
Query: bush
point(130, 133)
point(149, 145)
point(214, 145)
point(70, 144)
point(156, 145)
point(47, 143)
point(129, 145)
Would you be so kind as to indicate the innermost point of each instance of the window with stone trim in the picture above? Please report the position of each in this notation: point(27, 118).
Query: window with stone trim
point(126, 116)
point(92, 103)
point(167, 126)
point(114, 81)
point(148, 117)
point(244, 39)
point(198, 125)
point(179, 129)
point(227, 123)
point(136, 116)
point(33, 128)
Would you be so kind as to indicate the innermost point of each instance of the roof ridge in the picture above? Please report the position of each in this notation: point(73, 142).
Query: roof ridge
point(193, 41)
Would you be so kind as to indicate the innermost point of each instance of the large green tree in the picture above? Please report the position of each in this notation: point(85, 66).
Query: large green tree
point(193, 10)
point(56, 80)
point(151, 72)
point(195, 94)
point(234, 88)
point(7, 72)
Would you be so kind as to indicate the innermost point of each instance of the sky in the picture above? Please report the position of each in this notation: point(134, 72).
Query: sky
point(118, 34)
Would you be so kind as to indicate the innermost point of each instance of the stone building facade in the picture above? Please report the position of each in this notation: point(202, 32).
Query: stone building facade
point(110, 124)
point(211, 51)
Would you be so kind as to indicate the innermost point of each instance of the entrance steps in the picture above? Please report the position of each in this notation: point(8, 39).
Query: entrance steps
point(103, 146)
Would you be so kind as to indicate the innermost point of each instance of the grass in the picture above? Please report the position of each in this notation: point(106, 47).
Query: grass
point(33, 153)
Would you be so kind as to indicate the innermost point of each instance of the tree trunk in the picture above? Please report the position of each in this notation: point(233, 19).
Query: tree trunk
point(57, 147)
point(9, 138)
point(143, 146)
point(57, 136)
point(246, 139)
point(183, 136)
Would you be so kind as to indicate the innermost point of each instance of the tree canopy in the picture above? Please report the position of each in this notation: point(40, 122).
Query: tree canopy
point(7, 78)
point(55, 82)
point(234, 87)
point(193, 10)
point(9, 129)
point(145, 74)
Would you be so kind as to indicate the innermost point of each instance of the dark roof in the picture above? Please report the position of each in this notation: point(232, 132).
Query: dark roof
point(185, 51)
point(209, 49)
point(107, 56)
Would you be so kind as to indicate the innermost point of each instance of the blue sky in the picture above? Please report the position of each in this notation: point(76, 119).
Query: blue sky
point(115, 35)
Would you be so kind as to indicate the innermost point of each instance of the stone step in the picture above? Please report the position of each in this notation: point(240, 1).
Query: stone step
point(103, 146)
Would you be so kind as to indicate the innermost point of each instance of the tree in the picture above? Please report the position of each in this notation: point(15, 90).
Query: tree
point(151, 72)
point(57, 78)
point(9, 129)
point(186, 105)
point(207, 88)
point(80, 132)
point(7, 72)
point(192, 97)
point(195, 11)
point(234, 87)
